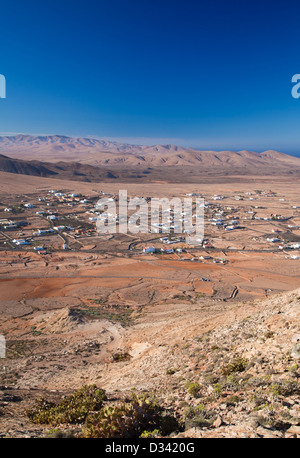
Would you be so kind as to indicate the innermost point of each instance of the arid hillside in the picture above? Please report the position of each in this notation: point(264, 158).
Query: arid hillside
point(222, 369)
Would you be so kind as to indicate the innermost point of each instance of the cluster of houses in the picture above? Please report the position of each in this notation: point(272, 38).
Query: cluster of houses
point(58, 196)
point(152, 249)
point(293, 246)
point(49, 200)
point(8, 224)
point(226, 218)
point(21, 242)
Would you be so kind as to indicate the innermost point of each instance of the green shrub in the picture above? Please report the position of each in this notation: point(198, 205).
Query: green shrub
point(232, 400)
point(149, 434)
point(121, 357)
point(237, 365)
point(284, 388)
point(130, 420)
point(269, 334)
point(194, 389)
point(72, 409)
point(218, 388)
point(198, 417)
point(171, 371)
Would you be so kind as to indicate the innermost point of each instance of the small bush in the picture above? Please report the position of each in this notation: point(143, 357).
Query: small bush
point(198, 417)
point(170, 371)
point(150, 434)
point(210, 379)
point(232, 400)
point(121, 357)
point(130, 420)
point(237, 365)
point(194, 389)
point(232, 382)
point(269, 334)
point(284, 388)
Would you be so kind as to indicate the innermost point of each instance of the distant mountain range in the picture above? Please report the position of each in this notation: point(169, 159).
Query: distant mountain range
point(95, 160)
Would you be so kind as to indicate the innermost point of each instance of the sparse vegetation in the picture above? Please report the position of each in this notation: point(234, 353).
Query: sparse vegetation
point(121, 357)
point(198, 417)
point(237, 365)
point(269, 334)
point(72, 409)
point(137, 416)
point(140, 416)
point(285, 388)
point(171, 371)
point(194, 389)
point(120, 314)
point(150, 434)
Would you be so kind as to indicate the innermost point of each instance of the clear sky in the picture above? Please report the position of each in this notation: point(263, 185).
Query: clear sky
point(209, 74)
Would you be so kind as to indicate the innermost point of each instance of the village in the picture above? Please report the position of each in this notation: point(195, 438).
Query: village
point(55, 220)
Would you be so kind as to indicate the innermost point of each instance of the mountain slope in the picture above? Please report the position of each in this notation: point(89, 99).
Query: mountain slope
point(230, 371)
point(19, 166)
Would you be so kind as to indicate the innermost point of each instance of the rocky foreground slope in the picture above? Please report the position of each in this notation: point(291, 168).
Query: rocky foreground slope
point(222, 369)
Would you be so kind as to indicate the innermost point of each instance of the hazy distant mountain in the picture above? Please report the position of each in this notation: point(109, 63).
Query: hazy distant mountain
point(142, 159)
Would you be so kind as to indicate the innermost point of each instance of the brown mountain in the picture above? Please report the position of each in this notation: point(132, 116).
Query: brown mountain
point(19, 166)
point(63, 170)
point(93, 160)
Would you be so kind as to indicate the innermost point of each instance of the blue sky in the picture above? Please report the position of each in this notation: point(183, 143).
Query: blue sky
point(208, 74)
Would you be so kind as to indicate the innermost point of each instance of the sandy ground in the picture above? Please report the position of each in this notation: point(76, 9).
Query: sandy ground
point(141, 280)
point(20, 184)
